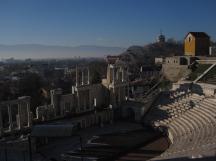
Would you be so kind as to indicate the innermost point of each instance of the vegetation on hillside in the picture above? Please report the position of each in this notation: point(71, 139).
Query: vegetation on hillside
point(210, 77)
point(197, 71)
point(146, 54)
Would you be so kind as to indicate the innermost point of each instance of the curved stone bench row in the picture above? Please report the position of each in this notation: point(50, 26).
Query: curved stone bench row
point(189, 132)
point(175, 109)
point(194, 131)
point(197, 120)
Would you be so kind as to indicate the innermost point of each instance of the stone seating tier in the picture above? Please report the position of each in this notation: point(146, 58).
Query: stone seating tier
point(191, 129)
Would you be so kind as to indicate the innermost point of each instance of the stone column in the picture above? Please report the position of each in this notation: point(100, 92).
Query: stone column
point(10, 118)
point(29, 114)
point(88, 77)
point(95, 102)
point(128, 90)
point(1, 122)
point(113, 79)
point(84, 101)
point(123, 74)
point(90, 100)
point(108, 74)
point(77, 76)
point(83, 77)
point(111, 116)
point(78, 100)
point(19, 116)
point(120, 95)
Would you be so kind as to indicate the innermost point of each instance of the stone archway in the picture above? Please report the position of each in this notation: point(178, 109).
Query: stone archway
point(130, 114)
point(183, 61)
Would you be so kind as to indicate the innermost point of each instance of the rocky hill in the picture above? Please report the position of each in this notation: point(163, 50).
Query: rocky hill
point(146, 54)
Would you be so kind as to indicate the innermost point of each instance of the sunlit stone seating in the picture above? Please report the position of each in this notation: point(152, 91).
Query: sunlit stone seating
point(191, 125)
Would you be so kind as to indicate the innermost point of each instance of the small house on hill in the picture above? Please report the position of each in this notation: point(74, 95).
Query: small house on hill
point(197, 44)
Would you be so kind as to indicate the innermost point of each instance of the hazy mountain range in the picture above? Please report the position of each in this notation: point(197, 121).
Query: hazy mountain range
point(53, 51)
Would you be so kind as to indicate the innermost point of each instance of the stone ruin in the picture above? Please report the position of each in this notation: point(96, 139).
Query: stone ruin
point(98, 99)
point(15, 115)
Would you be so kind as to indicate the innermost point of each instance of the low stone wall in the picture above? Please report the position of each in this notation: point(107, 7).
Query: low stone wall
point(174, 72)
point(97, 118)
point(182, 85)
point(45, 113)
point(139, 107)
point(208, 90)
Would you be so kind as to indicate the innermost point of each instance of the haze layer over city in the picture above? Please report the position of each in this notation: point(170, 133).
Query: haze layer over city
point(107, 80)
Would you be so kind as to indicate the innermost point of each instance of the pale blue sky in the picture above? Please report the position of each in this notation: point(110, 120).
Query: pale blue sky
point(102, 22)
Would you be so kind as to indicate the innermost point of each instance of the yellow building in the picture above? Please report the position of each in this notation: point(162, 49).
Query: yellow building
point(197, 44)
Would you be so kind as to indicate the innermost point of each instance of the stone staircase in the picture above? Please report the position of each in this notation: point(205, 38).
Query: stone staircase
point(190, 123)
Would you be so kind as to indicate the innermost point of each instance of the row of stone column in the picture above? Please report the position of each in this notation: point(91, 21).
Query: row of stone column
point(116, 73)
point(84, 99)
point(82, 70)
point(20, 115)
